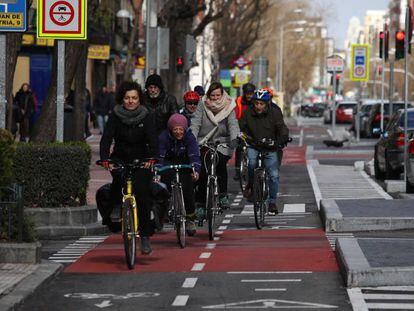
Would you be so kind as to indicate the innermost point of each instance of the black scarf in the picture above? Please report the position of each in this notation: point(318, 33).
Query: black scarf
point(131, 117)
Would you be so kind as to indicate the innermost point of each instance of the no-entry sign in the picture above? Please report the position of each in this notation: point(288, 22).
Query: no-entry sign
point(359, 62)
point(61, 19)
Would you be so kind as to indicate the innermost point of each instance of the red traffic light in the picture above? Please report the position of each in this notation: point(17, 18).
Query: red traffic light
point(381, 35)
point(400, 35)
point(179, 61)
point(338, 77)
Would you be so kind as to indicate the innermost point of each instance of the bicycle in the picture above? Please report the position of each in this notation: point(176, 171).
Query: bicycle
point(177, 211)
point(260, 182)
point(243, 168)
point(129, 209)
point(213, 207)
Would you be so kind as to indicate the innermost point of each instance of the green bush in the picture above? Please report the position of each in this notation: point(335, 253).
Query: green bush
point(53, 175)
point(7, 152)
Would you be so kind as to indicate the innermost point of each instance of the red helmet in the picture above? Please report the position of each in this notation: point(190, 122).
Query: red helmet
point(191, 96)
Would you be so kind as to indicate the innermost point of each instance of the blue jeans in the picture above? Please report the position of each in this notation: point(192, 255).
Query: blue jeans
point(271, 164)
point(101, 122)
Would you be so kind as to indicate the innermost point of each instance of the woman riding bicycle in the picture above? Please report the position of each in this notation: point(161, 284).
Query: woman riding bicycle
point(261, 122)
point(177, 145)
point(132, 128)
point(214, 120)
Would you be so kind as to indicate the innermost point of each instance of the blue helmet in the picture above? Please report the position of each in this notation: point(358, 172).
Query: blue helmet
point(262, 95)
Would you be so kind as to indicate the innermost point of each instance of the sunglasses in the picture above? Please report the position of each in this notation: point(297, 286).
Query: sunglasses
point(192, 103)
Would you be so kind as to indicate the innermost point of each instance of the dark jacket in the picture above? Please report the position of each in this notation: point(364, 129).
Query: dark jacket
point(269, 124)
point(187, 115)
point(25, 101)
point(173, 151)
point(131, 141)
point(102, 104)
point(163, 107)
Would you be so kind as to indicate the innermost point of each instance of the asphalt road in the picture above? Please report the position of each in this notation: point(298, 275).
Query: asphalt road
point(289, 264)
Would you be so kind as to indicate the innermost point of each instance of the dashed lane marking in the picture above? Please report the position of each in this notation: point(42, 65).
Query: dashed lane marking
point(180, 301)
point(219, 232)
point(198, 266)
point(211, 245)
point(222, 228)
point(216, 238)
point(269, 272)
point(270, 289)
point(382, 298)
point(189, 283)
point(229, 216)
point(271, 280)
point(226, 221)
point(205, 255)
point(294, 208)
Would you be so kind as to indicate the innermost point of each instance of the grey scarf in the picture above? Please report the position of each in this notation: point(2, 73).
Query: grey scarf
point(131, 117)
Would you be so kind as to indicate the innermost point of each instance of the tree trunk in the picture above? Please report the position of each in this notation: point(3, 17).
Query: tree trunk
point(79, 98)
point(45, 128)
point(13, 43)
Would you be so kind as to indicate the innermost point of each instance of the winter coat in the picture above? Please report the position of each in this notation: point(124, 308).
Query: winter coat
point(102, 104)
point(131, 141)
point(163, 107)
point(228, 129)
point(187, 115)
point(268, 124)
point(25, 101)
point(173, 151)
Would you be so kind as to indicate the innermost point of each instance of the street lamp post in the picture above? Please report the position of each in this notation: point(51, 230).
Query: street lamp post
point(281, 37)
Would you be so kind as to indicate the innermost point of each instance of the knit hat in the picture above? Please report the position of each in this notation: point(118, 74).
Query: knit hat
point(154, 79)
point(177, 120)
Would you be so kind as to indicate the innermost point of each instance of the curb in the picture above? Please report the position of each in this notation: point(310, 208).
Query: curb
point(23, 290)
point(357, 272)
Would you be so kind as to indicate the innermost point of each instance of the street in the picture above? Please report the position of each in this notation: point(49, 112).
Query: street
point(288, 265)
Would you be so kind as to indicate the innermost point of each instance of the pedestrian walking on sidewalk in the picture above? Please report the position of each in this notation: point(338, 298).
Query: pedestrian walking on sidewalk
point(101, 107)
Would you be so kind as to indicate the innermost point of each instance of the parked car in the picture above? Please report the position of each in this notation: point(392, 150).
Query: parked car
point(389, 150)
point(374, 119)
point(364, 111)
point(410, 167)
point(313, 109)
point(343, 112)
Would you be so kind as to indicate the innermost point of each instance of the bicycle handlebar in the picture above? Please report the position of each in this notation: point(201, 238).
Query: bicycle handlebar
point(137, 163)
point(265, 142)
point(173, 167)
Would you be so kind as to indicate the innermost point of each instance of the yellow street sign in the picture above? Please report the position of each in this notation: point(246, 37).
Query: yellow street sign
point(11, 20)
point(359, 70)
point(96, 51)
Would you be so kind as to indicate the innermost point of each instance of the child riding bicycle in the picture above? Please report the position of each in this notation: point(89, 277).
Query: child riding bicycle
point(264, 121)
point(177, 145)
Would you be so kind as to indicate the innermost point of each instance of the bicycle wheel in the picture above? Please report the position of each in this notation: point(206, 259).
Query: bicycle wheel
point(128, 233)
point(179, 215)
point(211, 206)
point(243, 170)
point(259, 200)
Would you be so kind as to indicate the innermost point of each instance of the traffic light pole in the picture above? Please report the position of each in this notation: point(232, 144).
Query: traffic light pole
point(334, 106)
point(406, 47)
point(383, 78)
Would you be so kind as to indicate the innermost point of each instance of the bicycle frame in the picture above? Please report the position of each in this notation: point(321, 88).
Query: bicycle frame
point(127, 194)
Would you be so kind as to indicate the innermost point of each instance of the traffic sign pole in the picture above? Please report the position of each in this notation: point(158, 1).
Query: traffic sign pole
point(60, 94)
point(3, 101)
point(383, 80)
point(407, 42)
point(334, 106)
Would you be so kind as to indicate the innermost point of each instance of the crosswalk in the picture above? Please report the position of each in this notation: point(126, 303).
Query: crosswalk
point(333, 236)
point(382, 298)
point(74, 251)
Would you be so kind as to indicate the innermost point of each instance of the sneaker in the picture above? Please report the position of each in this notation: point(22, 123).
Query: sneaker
point(273, 208)
point(145, 245)
point(190, 227)
point(224, 202)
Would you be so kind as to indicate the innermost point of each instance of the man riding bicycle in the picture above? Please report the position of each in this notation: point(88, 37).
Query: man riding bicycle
point(262, 122)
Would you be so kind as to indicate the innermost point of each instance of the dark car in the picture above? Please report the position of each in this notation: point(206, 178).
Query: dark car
point(313, 110)
point(410, 167)
point(389, 150)
point(374, 119)
point(364, 111)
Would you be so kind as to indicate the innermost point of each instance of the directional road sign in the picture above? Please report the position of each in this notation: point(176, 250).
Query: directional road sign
point(61, 19)
point(359, 70)
point(335, 63)
point(13, 15)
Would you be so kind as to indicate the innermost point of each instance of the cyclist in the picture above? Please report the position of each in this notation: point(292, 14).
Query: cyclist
point(215, 119)
point(177, 145)
point(132, 127)
point(264, 121)
point(191, 100)
point(242, 102)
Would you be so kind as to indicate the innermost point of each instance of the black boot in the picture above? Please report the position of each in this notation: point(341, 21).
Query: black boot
point(145, 245)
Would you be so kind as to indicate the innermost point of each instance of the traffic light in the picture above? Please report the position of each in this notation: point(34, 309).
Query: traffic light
point(338, 77)
point(180, 64)
point(384, 40)
point(399, 44)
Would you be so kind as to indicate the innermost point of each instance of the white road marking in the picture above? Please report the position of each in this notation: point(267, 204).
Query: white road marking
point(216, 238)
point(292, 227)
point(294, 208)
point(270, 289)
point(211, 245)
point(205, 255)
point(226, 221)
point(180, 300)
point(239, 196)
point(389, 296)
point(301, 138)
point(198, 266)
point(357, 299)
point(235, 204)
point(269, 272)
point(271, 280)
point(219, 232)
point(237, 200)
point(222, 228)
point(270, 304)
point(189, 283)
point(229, 216)
point(391, 306)
point(64, 260)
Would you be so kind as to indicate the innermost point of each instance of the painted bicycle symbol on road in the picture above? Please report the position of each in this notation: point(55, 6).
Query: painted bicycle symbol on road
point(111, 296)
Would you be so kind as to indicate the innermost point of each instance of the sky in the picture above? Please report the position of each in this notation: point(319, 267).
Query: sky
point(341, 11)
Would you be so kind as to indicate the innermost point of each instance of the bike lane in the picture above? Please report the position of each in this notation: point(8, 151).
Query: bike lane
point(288, 265)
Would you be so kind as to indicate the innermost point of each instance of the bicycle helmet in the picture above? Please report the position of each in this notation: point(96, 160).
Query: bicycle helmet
point(248, 88)
point(262, 95)
point(191, 96)
point(269, 90)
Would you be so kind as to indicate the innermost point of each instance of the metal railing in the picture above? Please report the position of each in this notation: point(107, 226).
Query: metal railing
point(12, 198)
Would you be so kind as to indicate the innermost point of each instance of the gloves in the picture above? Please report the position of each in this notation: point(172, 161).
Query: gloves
point(234, 143)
